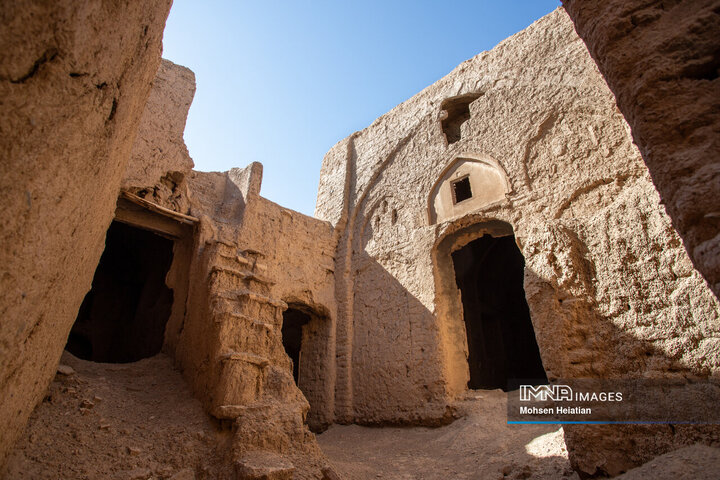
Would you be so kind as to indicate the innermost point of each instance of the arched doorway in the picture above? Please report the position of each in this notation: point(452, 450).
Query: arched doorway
point(483, 317)
point(501, 341)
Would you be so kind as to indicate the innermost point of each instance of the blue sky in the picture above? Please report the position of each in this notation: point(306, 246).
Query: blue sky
point(280, 82)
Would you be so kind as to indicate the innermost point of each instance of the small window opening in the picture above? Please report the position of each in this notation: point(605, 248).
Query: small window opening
point(393, 216)
point(122, 319)
point(461, 190)
point(458, 112)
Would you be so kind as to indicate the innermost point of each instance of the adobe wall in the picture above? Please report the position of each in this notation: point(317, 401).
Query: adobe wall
point(234, 270)
point(72, 100)
point(661, 60)
point(252, 258)
point(156, 172)
point(160, 161)
point(299, 254)
point(610, 288)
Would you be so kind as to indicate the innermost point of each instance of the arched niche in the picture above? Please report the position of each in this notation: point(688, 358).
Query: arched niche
point(467, 184)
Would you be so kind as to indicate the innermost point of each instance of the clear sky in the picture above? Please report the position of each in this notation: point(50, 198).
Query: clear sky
point(280, 82)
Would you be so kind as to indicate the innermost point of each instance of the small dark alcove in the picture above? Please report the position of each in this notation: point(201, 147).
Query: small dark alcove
point(122, 319)
point(501, 339)
point(306, 337)
point(292, 336)
point(458, 112)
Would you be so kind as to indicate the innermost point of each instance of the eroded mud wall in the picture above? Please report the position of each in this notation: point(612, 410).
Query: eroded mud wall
point(611, 289)
point(160, 161)
point(158, 170)
point(74, 79)
point(251, 258)
point(661, 59)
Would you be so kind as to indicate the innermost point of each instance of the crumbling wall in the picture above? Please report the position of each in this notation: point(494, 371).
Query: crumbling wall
point(157, 171)
point(74, 78)
point(252, 257)
point(610, 288)
point(661, 59)
point(299, 253)
point(160, 161)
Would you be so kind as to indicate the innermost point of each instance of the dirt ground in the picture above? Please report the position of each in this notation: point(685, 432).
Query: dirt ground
point(133, 421)
point(478, 446)
point(139, 421)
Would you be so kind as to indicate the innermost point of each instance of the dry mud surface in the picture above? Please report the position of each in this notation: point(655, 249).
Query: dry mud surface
point(478, 446)
point(139, 421)
point(133, 421)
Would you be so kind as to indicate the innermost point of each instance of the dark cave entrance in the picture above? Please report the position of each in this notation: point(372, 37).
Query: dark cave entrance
point(122, 319)
point(292, 337)
point(501, 340)
point(306, 339)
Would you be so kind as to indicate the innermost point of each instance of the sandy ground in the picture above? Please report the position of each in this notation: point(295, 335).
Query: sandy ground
point(478, 446)
point(139, 421)
point(118, 421)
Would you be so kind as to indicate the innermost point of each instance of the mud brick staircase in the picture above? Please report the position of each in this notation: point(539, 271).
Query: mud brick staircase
point(255, 387)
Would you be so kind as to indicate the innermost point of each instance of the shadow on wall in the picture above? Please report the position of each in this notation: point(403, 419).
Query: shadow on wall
point(397, 377)
point(401, 362)
point(581, 343)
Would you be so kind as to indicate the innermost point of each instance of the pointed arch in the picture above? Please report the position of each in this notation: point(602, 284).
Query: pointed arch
point(468, 183)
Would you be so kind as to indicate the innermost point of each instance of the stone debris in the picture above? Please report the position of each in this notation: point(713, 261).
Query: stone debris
point(65, 370)
point(184, 474)
point(134, 450)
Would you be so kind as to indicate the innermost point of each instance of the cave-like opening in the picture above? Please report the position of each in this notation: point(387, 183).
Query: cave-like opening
point(292, 336)
point(122, 319)
point(501, 340)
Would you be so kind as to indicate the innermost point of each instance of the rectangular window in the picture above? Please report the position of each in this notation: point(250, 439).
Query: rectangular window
point(461, 190)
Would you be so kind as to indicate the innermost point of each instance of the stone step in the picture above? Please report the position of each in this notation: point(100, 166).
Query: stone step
point(234, 411)
point(230, 309)
point(246, 357)
point(252, 296)
point(222, 249)
point(241, 317)
point(243, 274)
point(263, 465)
point(249, 258)
point(253, 264)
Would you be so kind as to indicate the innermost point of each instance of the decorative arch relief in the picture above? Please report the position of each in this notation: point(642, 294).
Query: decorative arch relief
point(467, 184)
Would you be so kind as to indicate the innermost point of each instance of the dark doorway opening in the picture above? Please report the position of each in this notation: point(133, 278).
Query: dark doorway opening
point(292, 335)
point(122, 319)
point(501, 340)
point(306, 339)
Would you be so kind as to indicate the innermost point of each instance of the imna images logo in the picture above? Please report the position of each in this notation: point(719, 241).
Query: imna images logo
point(542, 393)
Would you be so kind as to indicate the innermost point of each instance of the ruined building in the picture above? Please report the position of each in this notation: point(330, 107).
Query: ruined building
point(500, 224)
